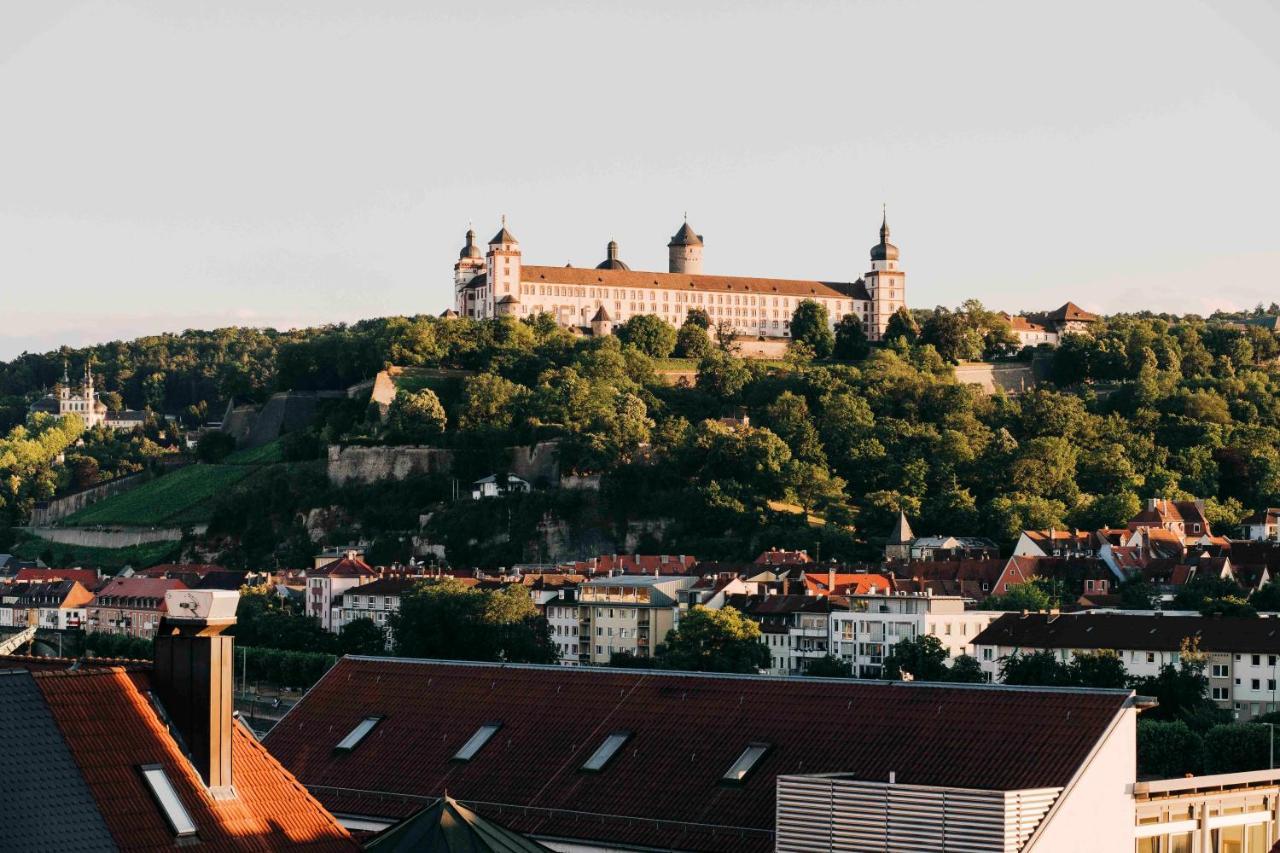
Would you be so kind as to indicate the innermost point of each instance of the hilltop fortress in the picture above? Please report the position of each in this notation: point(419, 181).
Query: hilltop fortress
point(496, 282)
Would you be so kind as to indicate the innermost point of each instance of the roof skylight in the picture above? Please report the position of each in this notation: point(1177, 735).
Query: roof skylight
point(746, 762)
point(357, 734)
point(167, 798)
point(476, 741)
point(605, 751)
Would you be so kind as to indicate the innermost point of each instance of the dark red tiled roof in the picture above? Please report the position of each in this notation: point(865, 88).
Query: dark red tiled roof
point(347, 567)
point(88, 577)
point(111, 729)
point(663, 788)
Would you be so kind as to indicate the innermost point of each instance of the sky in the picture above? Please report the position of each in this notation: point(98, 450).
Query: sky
point(170, 165)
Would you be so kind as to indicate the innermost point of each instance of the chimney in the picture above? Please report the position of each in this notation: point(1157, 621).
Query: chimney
point(831, 580)
point(193, 678)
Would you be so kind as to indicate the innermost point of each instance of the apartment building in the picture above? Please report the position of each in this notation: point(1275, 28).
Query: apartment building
point(866, 632)
point(375, 601)
point(627, 614)
point(1242, 655)
point(59, 605)
point(131, 607)
point(327, 584)
point(566, 624)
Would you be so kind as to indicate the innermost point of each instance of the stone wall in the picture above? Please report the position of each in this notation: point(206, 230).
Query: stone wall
point(111, 537)
point(1013, 378)
point(371, 464)
point(60, 508)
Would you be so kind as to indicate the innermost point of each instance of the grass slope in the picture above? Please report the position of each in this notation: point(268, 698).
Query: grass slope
point(271, 452)
point(109, 560)
point(183, 497)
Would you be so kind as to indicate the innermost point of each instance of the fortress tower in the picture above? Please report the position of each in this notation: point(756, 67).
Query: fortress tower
point(685, 251)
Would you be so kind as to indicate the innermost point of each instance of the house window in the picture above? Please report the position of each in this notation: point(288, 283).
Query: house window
point(476, 741)
point(1220, 693)
point(167, 798)
point(1219, 670)
point(750, 757)
point(605, 751)
point(1254, 684)
point(358, 734)
point(1257, 660)
point(1151, 657)
point(986, 654)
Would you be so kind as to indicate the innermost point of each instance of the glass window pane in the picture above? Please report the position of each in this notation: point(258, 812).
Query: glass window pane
point(357, 734)
point(477, 740)
point(174, 811)
point(605, 751)
point(752, 754)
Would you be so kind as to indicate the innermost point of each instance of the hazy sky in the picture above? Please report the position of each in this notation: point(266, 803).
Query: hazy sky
point(168, 165)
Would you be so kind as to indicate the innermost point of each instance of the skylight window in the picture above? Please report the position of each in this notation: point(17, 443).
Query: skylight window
point(167, 798)
point(605, 752)
point(747, 761)
point(358, 734)
point(476, 741)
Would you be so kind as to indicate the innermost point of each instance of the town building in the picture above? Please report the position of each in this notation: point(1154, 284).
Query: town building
point(132, 607)
point(326, 585)
point(627, 614)
point(52, 605)
point(84, 403)
point(1242, 654)
point(376, 601)
point(903, 545)
point(494, 486)
point(1262, 526)
point(497, 283)
point(618, 759)
point(148, 759)
point(863, 634)
point(1030, 332)
point(566, 623)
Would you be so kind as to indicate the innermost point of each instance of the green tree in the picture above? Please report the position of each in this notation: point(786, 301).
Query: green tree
point(723, 376)
point(648, 333)
point(1097, 668)
point(828, 666)
point(901, 327)
point(416, 417)
point(1182, 691)
point(714, 641)
point(851, 339)
point(922, 658)
point(1041, 668)
point(362, 637)
point(965, 669)
point(214, 446)
point(698, 317)
point(1236, 748)
point(447, 619)
point(1020, 596)
point(692, 340)
point(491, 403)
point(1168, 749)
point(811, 324)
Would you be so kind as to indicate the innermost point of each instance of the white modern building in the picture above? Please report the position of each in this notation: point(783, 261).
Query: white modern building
point(867, 632)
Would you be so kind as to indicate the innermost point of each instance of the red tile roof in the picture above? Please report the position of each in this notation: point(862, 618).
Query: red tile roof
point(847, 584)
point(775, 557)
point(683, 281)
point(635, 564)
point(111, 728)
point(89, 577)
point(347, 567)
point(163, 569)
point(136, 588)
point(663, 788)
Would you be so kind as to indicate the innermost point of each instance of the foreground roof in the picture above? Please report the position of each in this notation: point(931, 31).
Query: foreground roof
point(1154, 631)
point(108, 724)
point(448, 827)
point(664, 787)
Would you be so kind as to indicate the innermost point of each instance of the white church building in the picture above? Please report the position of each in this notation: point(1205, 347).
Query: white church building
point(496, 282)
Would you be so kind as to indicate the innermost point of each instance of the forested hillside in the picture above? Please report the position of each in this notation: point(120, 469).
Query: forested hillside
point(1145, 406)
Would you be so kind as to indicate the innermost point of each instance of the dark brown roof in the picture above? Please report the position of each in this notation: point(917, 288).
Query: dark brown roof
point(682, 281)
point(686, 237)
point(1157, 632)
point(1072, 312)
point(663, 788)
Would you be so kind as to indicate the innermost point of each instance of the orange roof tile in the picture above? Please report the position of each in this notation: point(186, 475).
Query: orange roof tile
point(112, 729)
point(682, 281)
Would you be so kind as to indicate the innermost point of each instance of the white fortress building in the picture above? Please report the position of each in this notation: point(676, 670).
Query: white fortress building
point(497, 283)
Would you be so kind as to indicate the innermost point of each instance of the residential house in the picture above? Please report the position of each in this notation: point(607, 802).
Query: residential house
point(1263, 525)
point(1069, 318)
point(326, 585)
point(627, 614)
point(1031, 332)
point(775, 557)
point(54, 605)
point(1186, 519)
point(953, 548)
point(971, 579)
point(148, 759)
point(376, 601)
point(494, 486)
point(566, 623)
point(1243, 663)
point(1070, 577)
point(632, 564)
point(90, 578)
point(795, 628)
point(132, 607)
point(834, 582)
point(867, 631)
point(618, 759)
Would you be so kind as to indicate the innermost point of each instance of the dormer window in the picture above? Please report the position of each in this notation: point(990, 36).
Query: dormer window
point(476, 741)
point(175, 813)
point(739, 771)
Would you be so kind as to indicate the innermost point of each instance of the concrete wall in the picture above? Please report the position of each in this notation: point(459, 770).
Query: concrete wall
point(111, 537)
point(60, 508)
point(1097, 812)
point(1013, 378)
point(371, 464)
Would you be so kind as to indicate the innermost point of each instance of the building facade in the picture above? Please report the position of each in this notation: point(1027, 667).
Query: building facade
point(627, 614)
point(866, 633)
point(131, 607)
point(497, 283)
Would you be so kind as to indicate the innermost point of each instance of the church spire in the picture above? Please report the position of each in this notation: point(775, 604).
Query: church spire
point(884, 223)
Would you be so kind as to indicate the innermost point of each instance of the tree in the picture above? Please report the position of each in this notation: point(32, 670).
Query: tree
point(901, 326)
point(416, 417)
point(698, 317)
point(722, 375)
point(851, 339)
point(214, 446)
point(922, 658)
point(952, 336)
point(446, 619)
point(1034, 668)
point(1020, 596)
point(1098, 668)
point(965, 669)
point(1168, 749)
point(692, 340)
point(362, 637)
point(1268, 598)
point(1235, 748)
point(811, 324)
point(1182, 691)
point(828, 666)
point(648, 333)
point(714, 641)
point(490, 403)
